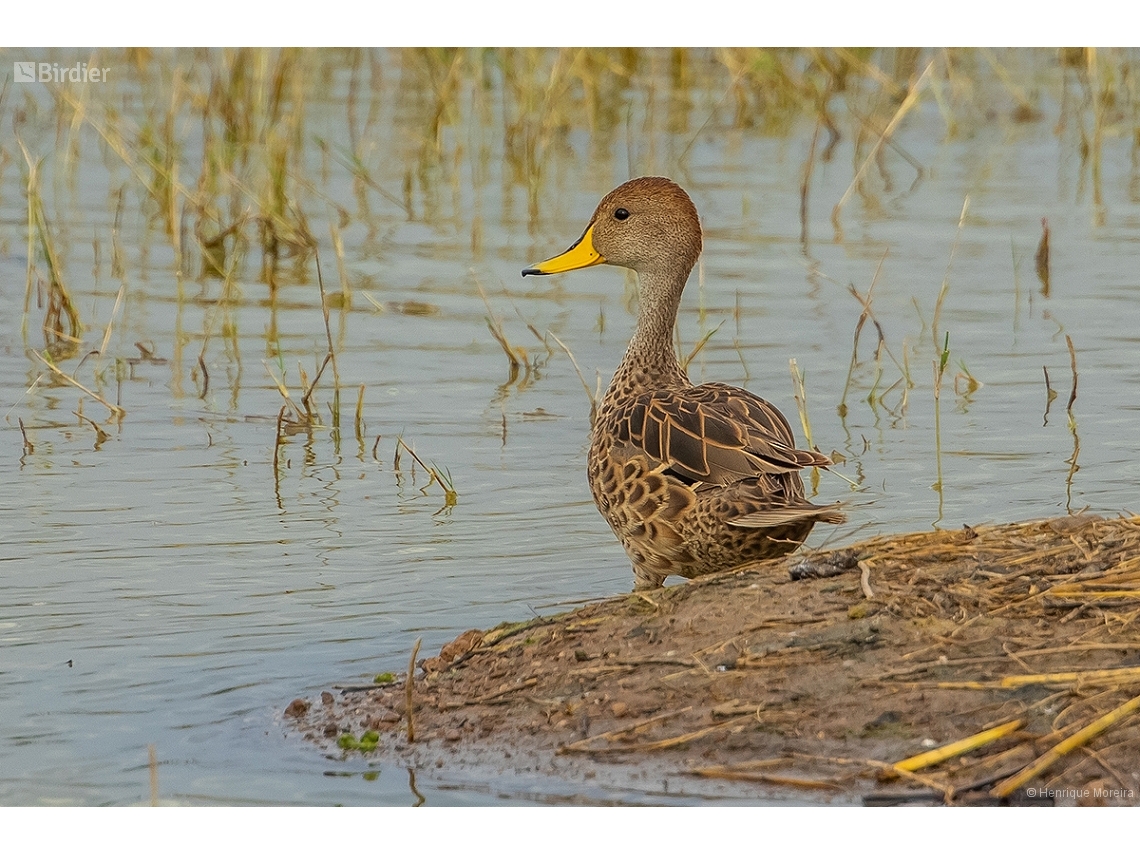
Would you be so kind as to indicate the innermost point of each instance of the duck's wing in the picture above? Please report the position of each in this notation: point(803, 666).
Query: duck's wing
point(714, 433)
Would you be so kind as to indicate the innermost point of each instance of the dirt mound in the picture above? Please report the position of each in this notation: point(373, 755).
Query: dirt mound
point(823, 676)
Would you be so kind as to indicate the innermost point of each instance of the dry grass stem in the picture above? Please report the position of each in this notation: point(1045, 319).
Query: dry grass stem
point(1077, 740)
point(409, 683)
point(958, 747)
point(1041, 258)
point(700, 345)
point(730, 773)
point(865, 579)
point(152, 765)
point(517, 357)
point(111, 321)
point(29, 448)
point(1073, 367)
point(622, 732)
point(101, 435)
point(867, 314)
point(905, 107)
point(116, 411)
point(595, 396)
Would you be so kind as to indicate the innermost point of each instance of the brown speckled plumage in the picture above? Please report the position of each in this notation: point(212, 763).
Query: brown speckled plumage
point(692, 479)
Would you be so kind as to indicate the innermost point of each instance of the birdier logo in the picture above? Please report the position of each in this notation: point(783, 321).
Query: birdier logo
point(53, 72)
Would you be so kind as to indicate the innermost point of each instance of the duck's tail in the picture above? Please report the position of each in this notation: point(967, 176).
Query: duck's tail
point(771, 517)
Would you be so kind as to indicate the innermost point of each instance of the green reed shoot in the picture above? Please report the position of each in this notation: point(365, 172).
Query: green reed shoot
point(1050, 396)
point(800, 392)
point(358, 421)
point(331, 355)
point(450, 496)
point(944, 289)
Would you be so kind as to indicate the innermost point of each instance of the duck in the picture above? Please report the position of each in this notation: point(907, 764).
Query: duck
point(693, 479)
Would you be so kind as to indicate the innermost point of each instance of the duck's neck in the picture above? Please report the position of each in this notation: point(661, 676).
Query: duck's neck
point(651, 349)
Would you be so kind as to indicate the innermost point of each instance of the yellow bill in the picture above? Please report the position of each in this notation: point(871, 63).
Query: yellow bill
point(581, 254)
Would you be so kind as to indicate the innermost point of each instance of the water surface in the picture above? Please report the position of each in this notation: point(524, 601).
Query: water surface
point(180, 581)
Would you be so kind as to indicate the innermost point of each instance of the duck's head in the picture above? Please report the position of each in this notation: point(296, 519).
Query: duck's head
point(648, 224)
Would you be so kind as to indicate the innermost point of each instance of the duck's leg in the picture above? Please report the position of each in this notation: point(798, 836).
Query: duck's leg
point(645, 580)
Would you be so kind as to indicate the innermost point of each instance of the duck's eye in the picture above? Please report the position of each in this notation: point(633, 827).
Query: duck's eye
point(621, 214)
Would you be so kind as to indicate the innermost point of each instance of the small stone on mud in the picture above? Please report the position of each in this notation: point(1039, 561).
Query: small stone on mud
point(891, 721)
point(620, 709)
point(453, 650)
point(465, 643)
point(327, 699)
point(823, 566)
point(330, 730)
point(452, 734)
point(297, 708)
point(1069, 524)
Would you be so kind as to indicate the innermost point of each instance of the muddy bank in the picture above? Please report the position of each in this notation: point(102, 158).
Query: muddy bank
point(806, 678)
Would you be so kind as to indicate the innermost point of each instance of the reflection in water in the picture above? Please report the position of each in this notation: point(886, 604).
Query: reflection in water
point(420, 800)
point(1072, 419)
point(234, 477)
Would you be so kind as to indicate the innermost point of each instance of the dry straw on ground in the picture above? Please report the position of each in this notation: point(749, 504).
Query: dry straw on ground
point(987, 664)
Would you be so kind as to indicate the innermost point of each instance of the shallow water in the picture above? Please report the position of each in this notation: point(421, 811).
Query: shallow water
point(172, 586)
